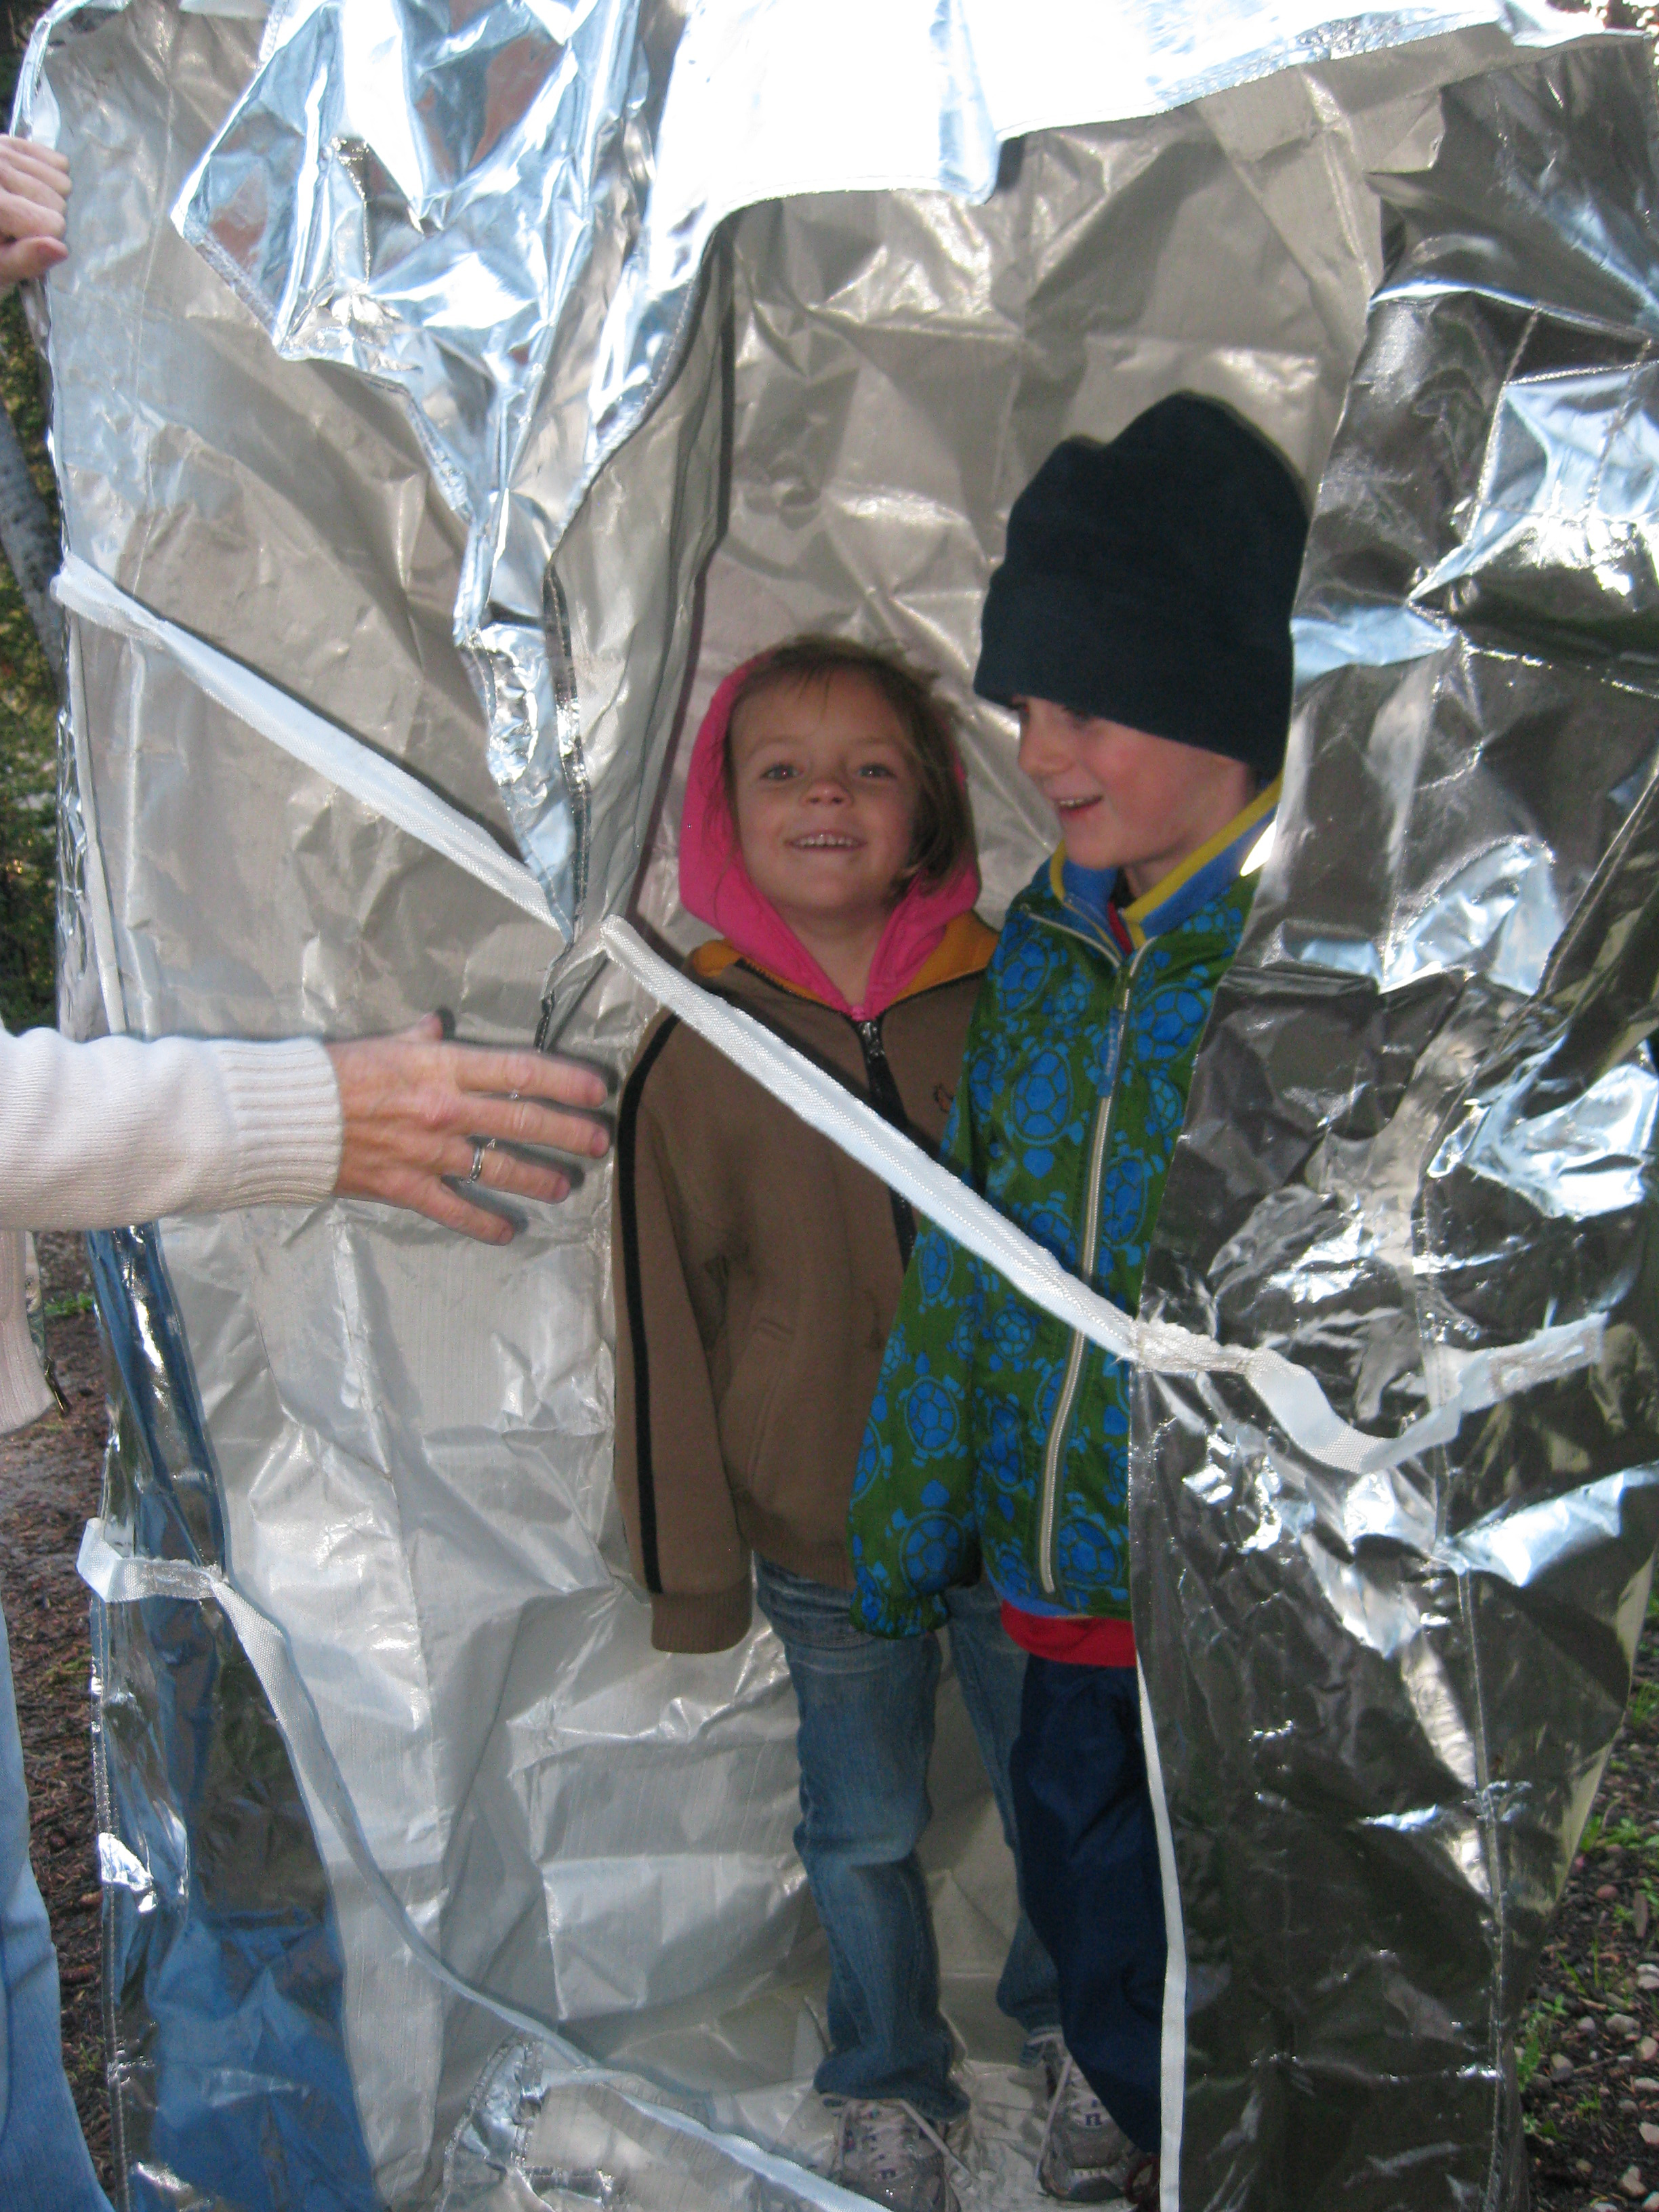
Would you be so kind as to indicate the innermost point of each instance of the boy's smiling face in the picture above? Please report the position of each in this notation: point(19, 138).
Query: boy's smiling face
point(1127, 799)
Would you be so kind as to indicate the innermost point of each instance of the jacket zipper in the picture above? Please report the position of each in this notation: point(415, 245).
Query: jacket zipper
point(885, 1094)
point(886, 1097)
point(1053, 1449)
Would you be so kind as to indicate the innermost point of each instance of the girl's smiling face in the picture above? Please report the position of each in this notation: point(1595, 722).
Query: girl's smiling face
point(824, 789)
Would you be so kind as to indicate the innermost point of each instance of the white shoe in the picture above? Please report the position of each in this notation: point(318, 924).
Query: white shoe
point(1085, 2157)
point(887, 2152)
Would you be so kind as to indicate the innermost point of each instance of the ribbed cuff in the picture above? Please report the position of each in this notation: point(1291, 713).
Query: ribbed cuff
point(923, 1618)
point(701, 1624)
point(285, 1109)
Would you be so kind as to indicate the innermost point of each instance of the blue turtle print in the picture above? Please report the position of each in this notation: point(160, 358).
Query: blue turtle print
point(953, 1467)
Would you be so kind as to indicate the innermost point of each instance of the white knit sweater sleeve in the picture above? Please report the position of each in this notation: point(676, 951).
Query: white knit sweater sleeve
point(94, 1136)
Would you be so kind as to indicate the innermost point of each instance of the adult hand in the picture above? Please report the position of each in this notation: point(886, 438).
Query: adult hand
point(35, 185)
point(414, 1107)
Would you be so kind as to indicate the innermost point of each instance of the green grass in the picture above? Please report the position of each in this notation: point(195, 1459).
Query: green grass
point(1628, 1834)
point(1541, 2019)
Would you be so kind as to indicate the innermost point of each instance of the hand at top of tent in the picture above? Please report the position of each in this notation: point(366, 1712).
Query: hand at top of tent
point(417, 1110)
point(34, 189)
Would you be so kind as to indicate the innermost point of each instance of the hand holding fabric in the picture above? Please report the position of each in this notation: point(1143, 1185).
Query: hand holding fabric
point(417, 1110)
point(34, 187)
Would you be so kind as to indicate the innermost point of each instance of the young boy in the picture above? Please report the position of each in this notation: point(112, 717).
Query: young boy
point(1140, 627)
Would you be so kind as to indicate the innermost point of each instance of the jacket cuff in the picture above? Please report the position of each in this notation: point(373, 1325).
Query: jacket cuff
point(284, 1107)
point(714, 1623)
point(920, 1619)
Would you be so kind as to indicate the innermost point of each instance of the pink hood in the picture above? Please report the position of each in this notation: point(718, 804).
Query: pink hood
point(715, 886)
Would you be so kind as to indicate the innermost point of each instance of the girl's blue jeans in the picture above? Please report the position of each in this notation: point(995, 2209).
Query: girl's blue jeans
point(44, 2166)
point(867, 1728)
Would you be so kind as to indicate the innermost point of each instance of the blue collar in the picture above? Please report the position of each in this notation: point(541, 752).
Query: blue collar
point(1087, 893)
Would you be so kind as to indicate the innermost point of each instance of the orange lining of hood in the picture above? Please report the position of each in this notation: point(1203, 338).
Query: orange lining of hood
point(965, 949)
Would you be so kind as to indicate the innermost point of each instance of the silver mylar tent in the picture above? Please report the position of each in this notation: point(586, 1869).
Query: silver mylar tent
point(445, 398)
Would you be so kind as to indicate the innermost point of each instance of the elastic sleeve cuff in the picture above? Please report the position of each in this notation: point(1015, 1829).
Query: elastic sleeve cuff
point(715, 1623)
point(926, 1616)
point(284, 1107)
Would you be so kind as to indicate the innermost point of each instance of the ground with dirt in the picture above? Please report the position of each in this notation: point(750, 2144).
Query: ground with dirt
point(49, 1483)
point(1589, 2046)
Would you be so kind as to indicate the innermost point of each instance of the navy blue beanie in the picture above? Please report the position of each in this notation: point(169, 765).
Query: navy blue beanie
point(1150, 581)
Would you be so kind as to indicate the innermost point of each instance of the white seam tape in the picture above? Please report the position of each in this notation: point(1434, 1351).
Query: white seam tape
point(119, 1579)
point(1172, 2057)
point(388, 791)
point(99, 913)
point(1290, 1395)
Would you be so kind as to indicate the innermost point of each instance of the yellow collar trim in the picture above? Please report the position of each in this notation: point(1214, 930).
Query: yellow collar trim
point(1135, 916)
point(1183, 872)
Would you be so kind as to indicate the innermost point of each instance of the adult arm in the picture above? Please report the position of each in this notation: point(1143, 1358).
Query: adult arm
point(95, 1135)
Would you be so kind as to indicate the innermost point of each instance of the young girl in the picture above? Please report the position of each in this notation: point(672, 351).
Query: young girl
point(826, 834)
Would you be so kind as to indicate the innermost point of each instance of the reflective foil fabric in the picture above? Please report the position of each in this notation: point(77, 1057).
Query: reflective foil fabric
point(506, 215)
point(489, 382)
point(1423, 1123)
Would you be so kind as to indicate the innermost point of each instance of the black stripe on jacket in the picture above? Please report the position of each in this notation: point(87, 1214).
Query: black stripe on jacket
point(628, 1132)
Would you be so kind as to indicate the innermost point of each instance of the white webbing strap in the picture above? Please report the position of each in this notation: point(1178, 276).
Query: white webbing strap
point(1289, 1393)
point(1172, 2040)
point(379, 784)
point(119, 1579)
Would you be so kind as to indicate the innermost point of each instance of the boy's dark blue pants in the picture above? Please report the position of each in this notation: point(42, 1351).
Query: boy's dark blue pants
point(1092, 1887)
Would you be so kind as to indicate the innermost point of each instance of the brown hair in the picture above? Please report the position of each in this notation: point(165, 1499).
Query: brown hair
point(943, 835)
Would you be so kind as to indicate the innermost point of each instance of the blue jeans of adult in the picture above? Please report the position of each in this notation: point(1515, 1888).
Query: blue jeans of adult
point(44, 2166)
point(867, 1728)
point(1093, 1886)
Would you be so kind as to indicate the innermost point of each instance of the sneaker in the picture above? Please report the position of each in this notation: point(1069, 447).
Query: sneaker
point(887, 2152)
point(1085, 2157)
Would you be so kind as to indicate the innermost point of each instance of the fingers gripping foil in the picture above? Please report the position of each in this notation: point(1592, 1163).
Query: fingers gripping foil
point(410, 1440)
point(1422, 1121)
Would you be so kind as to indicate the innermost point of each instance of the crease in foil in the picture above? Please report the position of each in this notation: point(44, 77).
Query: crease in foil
point(558, 426)
point(509, 221)
point(1423, 1116)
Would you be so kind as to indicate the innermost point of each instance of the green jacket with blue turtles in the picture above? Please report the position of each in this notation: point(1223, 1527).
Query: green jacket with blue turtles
point(997, 1436)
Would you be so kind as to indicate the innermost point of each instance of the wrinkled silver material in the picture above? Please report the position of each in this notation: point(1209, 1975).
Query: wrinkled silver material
point(1422, 1122)
point(597, 366)
point(508, 219)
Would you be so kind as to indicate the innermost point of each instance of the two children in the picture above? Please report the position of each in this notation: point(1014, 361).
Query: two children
point(1140, 627)
point(826, 834)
